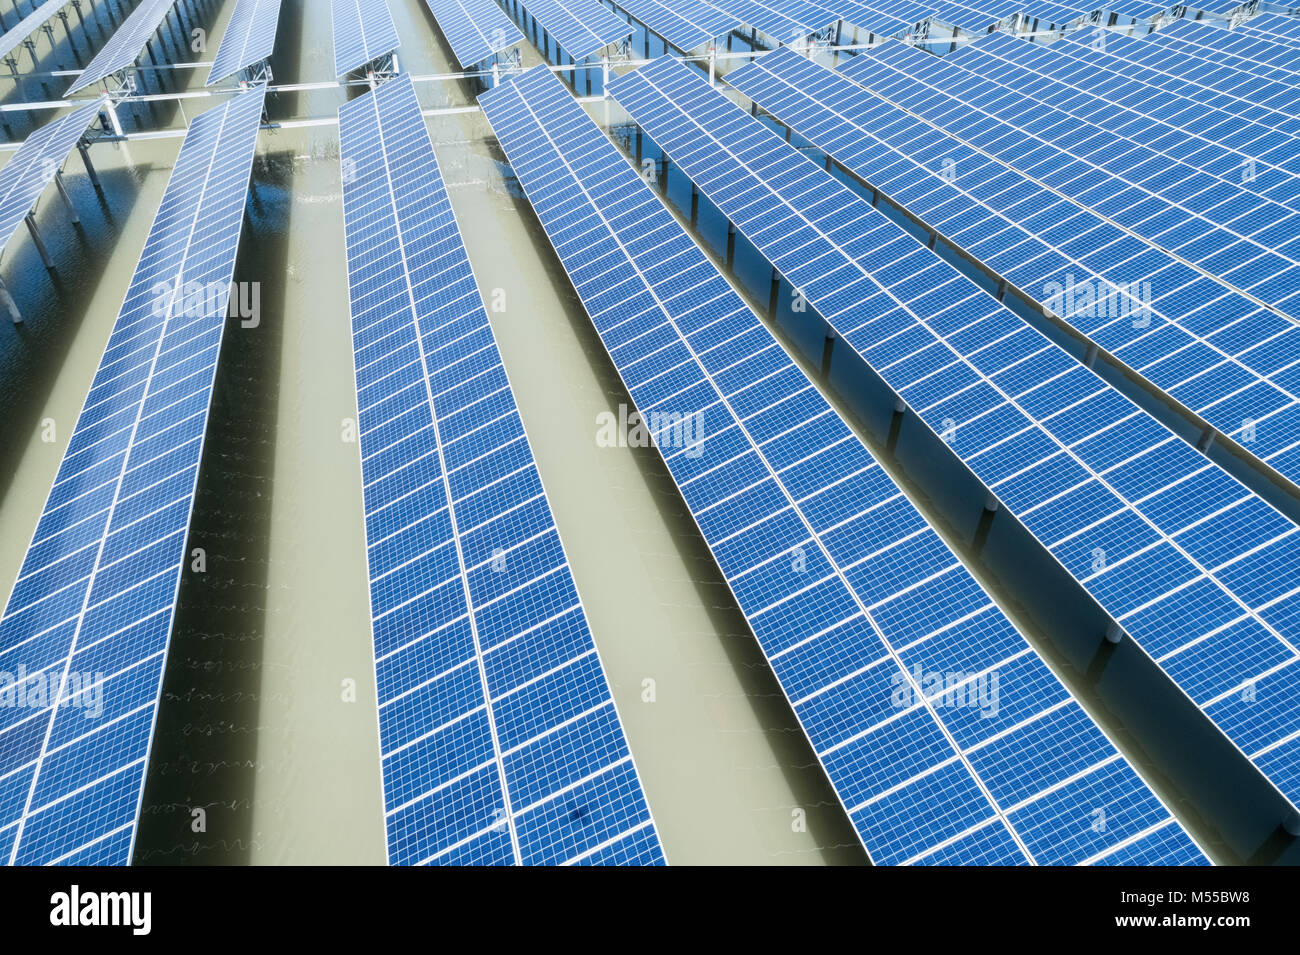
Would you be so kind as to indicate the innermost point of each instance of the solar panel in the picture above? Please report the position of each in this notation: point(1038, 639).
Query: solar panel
point(499, 736)
point(1277, 29)
point(853, 598)
point(27, 173)
point(785, 21)
point(976, 17)
point(249, 38)
point(1255, 98)
point(13, 38)
point(1261, 136)
point(580, 27)
point(363, 31)
point(1248, 242)
point(1214, 351)
point(1188, 131)
point(1270, 60)
point(124, 46)
point(1217, 6)
point(1136, 9)
point(1200, 572)
point(886, 17)
point(686, 24)
point(1265, 53)
point(89, 618)
point(475, 29)
point(1054, 14)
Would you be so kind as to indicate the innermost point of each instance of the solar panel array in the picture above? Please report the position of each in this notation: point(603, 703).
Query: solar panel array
point(1138, 10)
point(976, 17)
point(27, 173)
point(499, 736)
point(885, 17)
point(851, 595)
point(1152, 60)
point(475, 29)
point(1230, 361)
point(249, 38)
point(1260, 48)
point(1251, 54)
point(1274, 28)
point(1200, 572)
point(783, 20)
point(1254, 152)
point(1221, 7)
point(1247, 242)
point(21, 31)
point(89, 618)
point(580, 27)
point(124, 46)
point(1052, 76)
point(686, 24)
point(363, 31)
point(1055, 14)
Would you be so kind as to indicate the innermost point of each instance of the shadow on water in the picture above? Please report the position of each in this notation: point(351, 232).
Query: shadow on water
point(286, 62)
point(205, 745)
point(171, 44)
point(56, 49)
point(827, 822)
point(54, 304)
point(74, 48)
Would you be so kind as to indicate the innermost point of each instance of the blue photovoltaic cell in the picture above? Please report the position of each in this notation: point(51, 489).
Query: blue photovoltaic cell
point(1220, 54)
point(13, 38)
point(1217, 6)
point(1137, 9)
point(1251, 45)
point(500, 741)
point(1262, 101)
point(976, 17)
point(1052, 76)
point(1199, 571)
point(1054, 14)
point(249, 38)
point(1171, 118)
point(30, 169)
point(886, 17)
point(580, 27)
point(475, 29)
point(685, 24)
point(1221, 355)
point(363, 31)
point(92, 608)
point(124, 46)
point(1274, 28)
point(855, 601)
point(1247, 241)
point(783, 20)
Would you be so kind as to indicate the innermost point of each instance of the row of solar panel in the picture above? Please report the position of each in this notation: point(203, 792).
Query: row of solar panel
point(249, 38)
point(477, 29)
point(847, 589)
point(1185, 327)
point(498, 733)
point(435, 721)
point(97, 588)
point(1199, 571)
